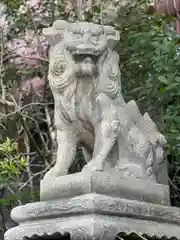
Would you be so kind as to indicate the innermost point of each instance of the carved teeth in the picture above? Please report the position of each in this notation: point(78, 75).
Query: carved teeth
point(85, 51)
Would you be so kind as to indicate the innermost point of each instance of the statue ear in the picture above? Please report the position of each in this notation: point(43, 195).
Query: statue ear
point(108, 55)
point(103, 56)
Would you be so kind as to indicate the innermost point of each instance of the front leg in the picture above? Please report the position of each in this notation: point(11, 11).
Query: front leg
point(106, 132)
point(94, 163)
point(67, 142)
point(104, 142)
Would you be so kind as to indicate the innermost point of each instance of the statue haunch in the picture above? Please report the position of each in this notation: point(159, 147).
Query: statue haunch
point(84, 77)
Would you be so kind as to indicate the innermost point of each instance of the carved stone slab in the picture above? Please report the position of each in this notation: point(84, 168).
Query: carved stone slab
point(60, 29)
point(94, 216)
point(104, 183)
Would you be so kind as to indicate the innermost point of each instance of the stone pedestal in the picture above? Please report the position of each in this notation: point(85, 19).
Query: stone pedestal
point(106, 183)
point(97, 206)
point(94, 216)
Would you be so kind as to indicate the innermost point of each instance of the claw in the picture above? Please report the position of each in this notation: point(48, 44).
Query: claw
point(93, 165)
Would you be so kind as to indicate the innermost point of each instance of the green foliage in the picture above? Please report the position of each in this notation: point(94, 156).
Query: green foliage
point(11, 163)
point(150, 62)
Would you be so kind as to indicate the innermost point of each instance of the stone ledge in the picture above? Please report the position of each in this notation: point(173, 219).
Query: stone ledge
point(94, 216)
point(95, 204)
point(104, 183)
point(93, 227)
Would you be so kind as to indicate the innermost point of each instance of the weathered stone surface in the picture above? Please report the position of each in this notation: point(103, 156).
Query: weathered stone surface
point(94, 216)
point(104, 183)
point(84, 77)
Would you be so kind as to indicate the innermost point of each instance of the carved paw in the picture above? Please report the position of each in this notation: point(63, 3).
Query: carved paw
point(93, 165)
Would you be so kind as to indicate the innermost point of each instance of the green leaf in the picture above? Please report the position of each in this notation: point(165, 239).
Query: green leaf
point(172, 86)
point(162, 90)
point(163, 79)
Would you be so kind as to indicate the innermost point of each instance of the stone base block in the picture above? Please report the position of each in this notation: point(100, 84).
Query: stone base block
point(94, 216)
point(104, 183)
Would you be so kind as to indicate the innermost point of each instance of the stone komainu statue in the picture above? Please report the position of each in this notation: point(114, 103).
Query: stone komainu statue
point(84, 76)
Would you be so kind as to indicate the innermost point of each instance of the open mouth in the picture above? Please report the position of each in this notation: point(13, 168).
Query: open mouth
point(83, 56)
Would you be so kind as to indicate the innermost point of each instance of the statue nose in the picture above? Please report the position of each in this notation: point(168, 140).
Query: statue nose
point(87, 35)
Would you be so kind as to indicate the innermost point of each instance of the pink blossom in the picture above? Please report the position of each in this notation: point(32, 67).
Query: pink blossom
point(34, 84)
point(35, 4)
point(28, 49)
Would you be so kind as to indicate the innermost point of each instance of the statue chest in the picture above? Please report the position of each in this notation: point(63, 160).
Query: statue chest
point(81, 106)
point(85, 100)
